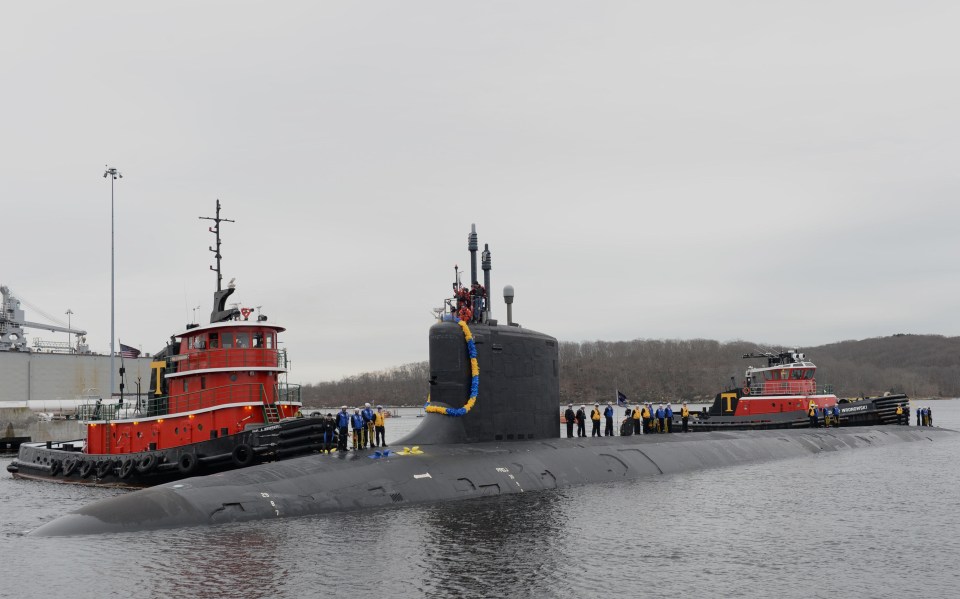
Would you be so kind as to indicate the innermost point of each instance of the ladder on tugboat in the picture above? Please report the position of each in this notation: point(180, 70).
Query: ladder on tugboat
point(271, 415)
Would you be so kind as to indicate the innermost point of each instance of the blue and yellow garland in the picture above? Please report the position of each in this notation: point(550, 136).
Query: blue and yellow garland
point(474, 381)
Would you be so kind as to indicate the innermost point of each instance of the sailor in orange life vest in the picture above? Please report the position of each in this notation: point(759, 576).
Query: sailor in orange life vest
point(595, 416)
point(644, 419)
point(378, 424)
point(684, 416)
point(637, 420)
point(569, 416)
point(812, 412)
point(900, 417)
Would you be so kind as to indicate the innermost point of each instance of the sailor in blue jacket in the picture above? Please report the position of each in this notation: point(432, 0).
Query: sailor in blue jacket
point(343, 421)
point(356, 423)
point(668, 418)
point(836, 416)
point(660, 415)
point(367, 414)
point(608, 415)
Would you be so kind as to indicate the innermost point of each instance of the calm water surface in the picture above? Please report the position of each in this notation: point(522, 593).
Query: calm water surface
point(880, 522)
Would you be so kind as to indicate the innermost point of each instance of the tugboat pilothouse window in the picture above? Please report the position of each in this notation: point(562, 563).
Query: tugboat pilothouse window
point(243, 340)
point(214, 340)
point(269, 340)
point(258, 340)
point(227, 340)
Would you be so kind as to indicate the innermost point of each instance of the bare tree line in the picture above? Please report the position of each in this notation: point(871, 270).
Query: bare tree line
point(691, 370)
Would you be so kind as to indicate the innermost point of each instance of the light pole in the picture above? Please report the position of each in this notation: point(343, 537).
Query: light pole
point(114, 174)
point(68, 313)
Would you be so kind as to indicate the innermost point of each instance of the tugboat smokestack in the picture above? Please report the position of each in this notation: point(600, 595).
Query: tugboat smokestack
point(508, 299)
point(486, 265)
point(472, 246)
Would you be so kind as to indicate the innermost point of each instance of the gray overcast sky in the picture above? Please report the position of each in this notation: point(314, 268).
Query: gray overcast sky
point(778, 172)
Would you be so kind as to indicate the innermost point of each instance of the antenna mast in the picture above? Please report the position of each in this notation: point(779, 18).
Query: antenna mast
point(215, 229)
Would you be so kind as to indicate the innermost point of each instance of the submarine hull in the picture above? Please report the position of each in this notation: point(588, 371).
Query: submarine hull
point(319, 484)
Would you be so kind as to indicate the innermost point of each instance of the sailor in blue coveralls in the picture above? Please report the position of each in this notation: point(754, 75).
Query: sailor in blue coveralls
point(367, 414)
point(356, 423)
point(343, 421)
point(608, 415)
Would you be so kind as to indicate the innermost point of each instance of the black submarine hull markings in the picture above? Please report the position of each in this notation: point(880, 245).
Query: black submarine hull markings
point(314, 485)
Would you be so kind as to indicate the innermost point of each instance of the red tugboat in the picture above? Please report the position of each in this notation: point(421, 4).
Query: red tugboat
point(781, 394)
point(218, 400)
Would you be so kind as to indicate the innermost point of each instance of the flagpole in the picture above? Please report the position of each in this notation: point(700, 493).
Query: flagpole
point(113, 173)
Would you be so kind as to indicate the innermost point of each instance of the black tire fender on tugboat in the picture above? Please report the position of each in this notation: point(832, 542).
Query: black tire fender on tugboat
point(54, 467)
point(242, 455)
point(86, 468)
point(187, 463)
point(104, 468)
point(146, 463)
point(126, 469)
point(70, 465)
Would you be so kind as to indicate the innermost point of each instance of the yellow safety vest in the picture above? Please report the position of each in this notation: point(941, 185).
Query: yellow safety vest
point(645, 413)
point(636, 414)
point(899, 410)
point(595, 414)
point(684, 412)
point(812, 412)
point(378, 419)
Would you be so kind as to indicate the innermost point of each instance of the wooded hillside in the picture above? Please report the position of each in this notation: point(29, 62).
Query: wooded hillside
point(690, 370)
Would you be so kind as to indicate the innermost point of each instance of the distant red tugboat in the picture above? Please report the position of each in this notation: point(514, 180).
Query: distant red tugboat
point(781, 394)
point(217, 401)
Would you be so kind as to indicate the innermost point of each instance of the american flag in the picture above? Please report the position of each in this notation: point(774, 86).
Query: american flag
point(129, 352)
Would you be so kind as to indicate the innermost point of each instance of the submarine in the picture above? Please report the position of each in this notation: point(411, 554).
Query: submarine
point(492, 427)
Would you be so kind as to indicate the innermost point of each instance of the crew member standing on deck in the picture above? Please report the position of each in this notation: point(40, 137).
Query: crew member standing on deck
point(343, 421)
point(836, 416)
point(582, 422)
point(380, 426)
point(570, 416)
point(356, 424)
point(367, 414)
point(636, 420)
point(626, 425)
point(812, 412)
point(900, 417)
point(329, 432)
point(668, 418)
point(660, 416)
point(644, 420)
point(608, 416)
point(684, 416)
point(929, 416)
point(595, 417)
point(919, 414)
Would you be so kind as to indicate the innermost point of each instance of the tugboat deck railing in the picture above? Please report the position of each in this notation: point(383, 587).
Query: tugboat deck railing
point(797, 387)
point(192, 401)
point(234, 357)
